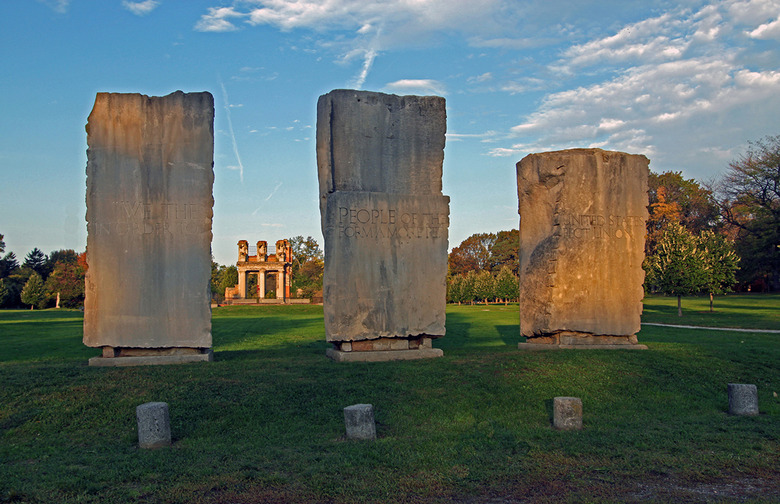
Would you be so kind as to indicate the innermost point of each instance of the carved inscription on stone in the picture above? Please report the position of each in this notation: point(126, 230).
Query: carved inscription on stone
point(372, 223)
point(386, 263)
point(137, 218)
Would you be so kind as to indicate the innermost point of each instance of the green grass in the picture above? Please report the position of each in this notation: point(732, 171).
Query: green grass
point(749, 311)
point(264, 421)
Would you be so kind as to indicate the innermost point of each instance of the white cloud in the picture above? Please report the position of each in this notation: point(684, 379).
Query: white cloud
point(676, 87)
point(416, 86)
point(767, 31)
point(478, 79)
point(140, 8)
point(218, 19)
point(364, 28)
point(59, 6)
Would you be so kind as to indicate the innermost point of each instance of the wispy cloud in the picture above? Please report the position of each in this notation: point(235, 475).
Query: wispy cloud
point(416, 86)
point(361, 28)
point(226, 101)
point(59, 6)
point(140, 8)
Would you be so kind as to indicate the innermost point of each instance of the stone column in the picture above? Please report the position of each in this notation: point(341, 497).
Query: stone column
point(582, 238)
point(385, 223)
point(242, 284)
point(261, 284)
point(149, 210)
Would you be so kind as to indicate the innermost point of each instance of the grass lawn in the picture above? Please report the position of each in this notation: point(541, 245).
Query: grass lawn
point(264, 421)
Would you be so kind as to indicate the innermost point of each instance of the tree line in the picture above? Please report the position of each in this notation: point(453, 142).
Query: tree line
point(42, 281)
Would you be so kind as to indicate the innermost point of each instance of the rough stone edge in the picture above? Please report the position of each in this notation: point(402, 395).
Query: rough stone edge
point(384, 355)
point(150, 360)
point(546, 346)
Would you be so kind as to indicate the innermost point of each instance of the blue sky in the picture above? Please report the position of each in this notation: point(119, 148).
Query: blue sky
point(687, 83)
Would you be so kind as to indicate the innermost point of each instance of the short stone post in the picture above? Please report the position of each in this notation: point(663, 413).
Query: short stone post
point(567, 413)
point(743, 399)
point(154, 425)
point(359, 421)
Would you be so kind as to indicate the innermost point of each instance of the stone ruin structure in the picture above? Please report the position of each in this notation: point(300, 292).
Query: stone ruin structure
point(149, 211)
point(278, 265)
point(582, 239)
point(385, 223)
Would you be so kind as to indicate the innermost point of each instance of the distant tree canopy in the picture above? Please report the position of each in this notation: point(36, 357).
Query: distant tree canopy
point(748, 197)
point(486, 252)
point(673, 198)
point(61, 272)
point(308, 266)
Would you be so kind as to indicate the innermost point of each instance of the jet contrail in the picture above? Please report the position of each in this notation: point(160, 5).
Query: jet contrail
point(230, 128)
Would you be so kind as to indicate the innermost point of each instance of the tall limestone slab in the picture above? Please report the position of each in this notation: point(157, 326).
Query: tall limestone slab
point(582, 238)
point(385, 223)
point(149, 210)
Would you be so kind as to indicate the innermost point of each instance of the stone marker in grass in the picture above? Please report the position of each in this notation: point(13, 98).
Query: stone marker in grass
point(743, 399)
point(582, 238)
point(359, 421)
point(149, 209)
point(154, 425)
point(567, 413)
point(385, 224)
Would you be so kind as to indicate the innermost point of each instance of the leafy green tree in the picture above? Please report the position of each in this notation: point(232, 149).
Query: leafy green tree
point(2, 244)
point(505, 251)
point(67, 279)
point(484, 286)
point(468, 287)
point(677, 267)
point(748, 196)
point(4, 292)
point(34, 292)
point(457, 290)
point(507, 285)
point(228, 278)
point(721, 263)
point(308, 266)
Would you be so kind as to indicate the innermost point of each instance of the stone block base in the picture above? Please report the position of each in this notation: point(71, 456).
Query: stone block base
point(384, 355)
point(384, 349)
point(119, 357)
point(582, 341)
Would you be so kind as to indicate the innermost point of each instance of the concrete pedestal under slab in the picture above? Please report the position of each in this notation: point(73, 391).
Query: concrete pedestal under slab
point(384, 355)
point(123, 357)
point(548, 346)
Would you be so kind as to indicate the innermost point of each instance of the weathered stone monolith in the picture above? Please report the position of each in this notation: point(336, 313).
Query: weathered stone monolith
point(582, 238)
point(385, 223)
point(149, 209)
